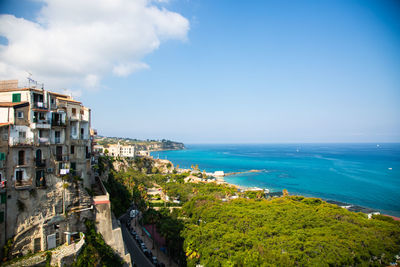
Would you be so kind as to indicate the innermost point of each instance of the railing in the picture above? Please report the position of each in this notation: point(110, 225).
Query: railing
point(74, 117)
point(58, 123)
point(62, 157)
point(23, 184)
point(42, 141)
point(40, 163)
point(84, 117)
point(40, 105)
point(21, 141)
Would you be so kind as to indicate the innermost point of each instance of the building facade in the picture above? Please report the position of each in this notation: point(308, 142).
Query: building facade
point(44, 136)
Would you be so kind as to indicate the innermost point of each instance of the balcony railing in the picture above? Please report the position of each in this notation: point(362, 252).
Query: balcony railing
point(40, 105)
point(21, 141)
point(40, 163)
point(23, 184)
point(41, 124)
point(58, 123)
point(42, 141)
point(62, 157)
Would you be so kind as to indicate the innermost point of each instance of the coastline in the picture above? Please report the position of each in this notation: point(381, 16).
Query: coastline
point(287, 171)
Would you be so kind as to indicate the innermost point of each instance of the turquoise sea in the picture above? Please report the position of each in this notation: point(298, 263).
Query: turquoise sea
point(367, 175)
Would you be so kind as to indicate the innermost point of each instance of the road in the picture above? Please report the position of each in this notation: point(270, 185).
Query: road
point(137, 255)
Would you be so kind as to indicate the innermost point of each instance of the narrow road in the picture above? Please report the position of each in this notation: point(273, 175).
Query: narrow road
point(137, 255)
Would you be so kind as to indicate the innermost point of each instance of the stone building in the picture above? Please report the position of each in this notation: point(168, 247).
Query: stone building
point(45, 164)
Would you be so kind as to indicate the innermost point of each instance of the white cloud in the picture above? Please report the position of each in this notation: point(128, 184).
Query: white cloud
point(75, 43)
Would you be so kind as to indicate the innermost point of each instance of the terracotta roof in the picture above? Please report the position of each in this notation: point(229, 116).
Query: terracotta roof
point(58, 94)
point(68, 99)
point(5, 123)
point(20, 89)
point(12, 104)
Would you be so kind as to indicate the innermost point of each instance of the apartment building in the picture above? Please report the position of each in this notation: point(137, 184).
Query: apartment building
point(117, 150)
point(43, 136)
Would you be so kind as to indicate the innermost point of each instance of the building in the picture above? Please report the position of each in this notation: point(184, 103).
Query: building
point(43, 137)
point(117, 150)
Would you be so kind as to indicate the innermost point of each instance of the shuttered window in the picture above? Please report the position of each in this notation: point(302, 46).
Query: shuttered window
point(2, 156)
point(16, 98)
point(3, 198)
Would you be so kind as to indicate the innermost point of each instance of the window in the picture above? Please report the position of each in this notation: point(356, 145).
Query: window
point(72, 149)
point(21, 157)
point(19, 174)
point(2, 156)
point(82, 112)
point(22, 134)
point(20, 115)
point(82, 131)
point(40, 133)
point(16, 98)
point(3, 197)
point(41, 116)
point(74, 111)
point(1, 216)
point(73, 130)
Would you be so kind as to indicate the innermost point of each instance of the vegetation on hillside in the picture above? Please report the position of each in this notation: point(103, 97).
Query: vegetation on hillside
point(95, 251)
point(212, 230)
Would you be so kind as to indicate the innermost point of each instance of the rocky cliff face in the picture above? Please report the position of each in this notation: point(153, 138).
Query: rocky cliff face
point(158, 146)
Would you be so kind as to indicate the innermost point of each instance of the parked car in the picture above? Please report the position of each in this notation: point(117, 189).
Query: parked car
point(154, 260)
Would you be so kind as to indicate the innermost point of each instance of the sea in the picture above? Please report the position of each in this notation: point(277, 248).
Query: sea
point(363, 175)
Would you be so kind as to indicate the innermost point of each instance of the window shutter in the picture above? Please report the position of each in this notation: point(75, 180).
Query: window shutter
point(16, 98)
point(3, 198)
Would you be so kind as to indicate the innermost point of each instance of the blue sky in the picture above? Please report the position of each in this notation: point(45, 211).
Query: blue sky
point(255, 72)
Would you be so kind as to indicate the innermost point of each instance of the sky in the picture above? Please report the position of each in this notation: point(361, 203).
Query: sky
point(215, 71)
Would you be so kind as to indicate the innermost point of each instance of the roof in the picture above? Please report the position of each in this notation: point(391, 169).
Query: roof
point(68, 99)
point(12, 104)
point(5, 124)
point(21, 89)
point(58, 94)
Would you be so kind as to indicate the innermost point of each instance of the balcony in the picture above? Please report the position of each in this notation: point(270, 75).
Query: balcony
point(23, 184)
point(84, 117)
point(40, 124)
point(21, 141)
point(74, 117)
point(40, 163)
point(62, 157)
point(58, 123)
point(42, 141)
point(75, 172)
point(39, 105)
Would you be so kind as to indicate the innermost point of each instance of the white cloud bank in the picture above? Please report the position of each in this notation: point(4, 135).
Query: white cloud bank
point(76, 43)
